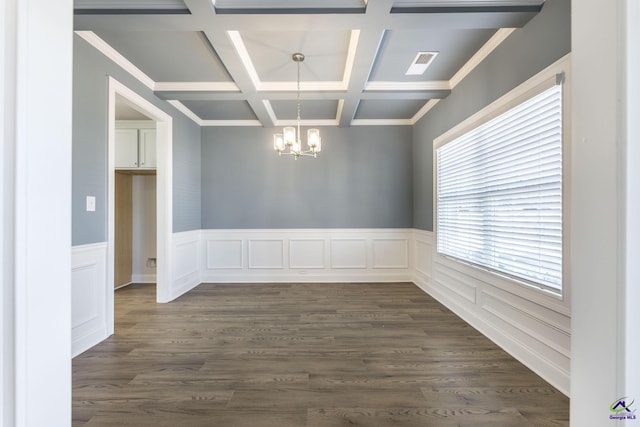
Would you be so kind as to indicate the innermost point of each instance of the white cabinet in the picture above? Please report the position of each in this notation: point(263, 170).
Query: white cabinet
point(126, 148)
point(147, 148)
point(135, 148)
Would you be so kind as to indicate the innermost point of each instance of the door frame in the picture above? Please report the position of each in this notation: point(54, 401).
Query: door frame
point(164, 193)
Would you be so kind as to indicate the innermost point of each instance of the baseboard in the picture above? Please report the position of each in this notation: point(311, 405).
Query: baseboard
point(143, 278)
point(84, 343)
point(307, 278)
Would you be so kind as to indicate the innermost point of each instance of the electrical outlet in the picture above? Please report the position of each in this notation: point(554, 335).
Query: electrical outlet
point(151, 263)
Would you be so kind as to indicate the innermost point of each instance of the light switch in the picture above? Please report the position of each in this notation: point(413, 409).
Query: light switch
point(91, 204)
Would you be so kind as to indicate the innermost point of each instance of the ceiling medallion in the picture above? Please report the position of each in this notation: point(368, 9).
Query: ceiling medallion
point(288, 142)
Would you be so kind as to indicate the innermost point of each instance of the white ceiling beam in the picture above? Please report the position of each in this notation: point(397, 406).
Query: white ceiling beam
point(223, 32)
point(274, 22)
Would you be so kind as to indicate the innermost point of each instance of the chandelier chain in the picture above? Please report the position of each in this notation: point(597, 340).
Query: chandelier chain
point(298, 101)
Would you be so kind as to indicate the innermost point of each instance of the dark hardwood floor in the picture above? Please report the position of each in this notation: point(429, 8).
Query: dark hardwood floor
point(315, 355)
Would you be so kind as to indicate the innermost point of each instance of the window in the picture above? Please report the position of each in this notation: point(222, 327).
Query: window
point(499, 191)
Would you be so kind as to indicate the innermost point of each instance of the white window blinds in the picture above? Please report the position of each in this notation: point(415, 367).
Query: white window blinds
point(499, 192)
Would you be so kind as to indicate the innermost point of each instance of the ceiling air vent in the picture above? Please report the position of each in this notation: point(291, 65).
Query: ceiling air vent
point(420, 63)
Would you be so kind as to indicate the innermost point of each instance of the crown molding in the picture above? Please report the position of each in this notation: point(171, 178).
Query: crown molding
point(186, 111)
point(105, 48)
point(481, 55)
point(424, 110)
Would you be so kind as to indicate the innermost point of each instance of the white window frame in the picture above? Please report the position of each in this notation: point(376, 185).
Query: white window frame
point(516, 96)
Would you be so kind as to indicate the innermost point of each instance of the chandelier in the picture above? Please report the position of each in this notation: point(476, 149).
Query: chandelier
point(289, 139)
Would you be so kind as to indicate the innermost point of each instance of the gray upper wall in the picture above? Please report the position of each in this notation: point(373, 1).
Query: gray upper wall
point(361, 179)
point(374, 177)
point(89, 175)
point(527, 51)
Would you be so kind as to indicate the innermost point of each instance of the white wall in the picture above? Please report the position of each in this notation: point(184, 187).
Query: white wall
point(144, 228)
point(38, 190)
point(603, 331)
point(7, 189)
point(631, 89)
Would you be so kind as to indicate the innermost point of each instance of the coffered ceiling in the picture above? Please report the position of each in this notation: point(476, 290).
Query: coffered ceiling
point(228, 62)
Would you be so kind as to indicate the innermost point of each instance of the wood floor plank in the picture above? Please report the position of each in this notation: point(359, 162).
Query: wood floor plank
point(415, 417)
point(317, 355)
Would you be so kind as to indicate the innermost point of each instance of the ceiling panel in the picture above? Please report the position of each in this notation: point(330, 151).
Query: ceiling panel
point(162, 55)
point(290, 4)
point(130, 4)
point(395, 109)
point(464, 3)
point(399, 48)
point(221, 110)
point(231, 59)
point(325, 54)
point(309, 109)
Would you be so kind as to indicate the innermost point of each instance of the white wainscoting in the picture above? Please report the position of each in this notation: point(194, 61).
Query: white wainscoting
point(309, 255)
point(187, 262)
point(88, 296)
point(531, 325)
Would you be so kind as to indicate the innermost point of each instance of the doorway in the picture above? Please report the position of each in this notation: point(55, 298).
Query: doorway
point(135, 197)
point(135, 228)
point(120, 97)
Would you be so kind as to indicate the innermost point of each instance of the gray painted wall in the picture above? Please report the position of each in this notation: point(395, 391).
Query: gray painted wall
point(362, 179)
point(89, 175)
point(545, 39)
point(187, 209)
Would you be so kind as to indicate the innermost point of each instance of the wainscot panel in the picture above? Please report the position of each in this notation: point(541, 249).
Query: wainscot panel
point(307, 255)
point(391, 253)
point(187, 259)
point(348, 253)
point(422, 259)
point(530, 324)
point(266, 254)
point(224, 254)
point(88, 296)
